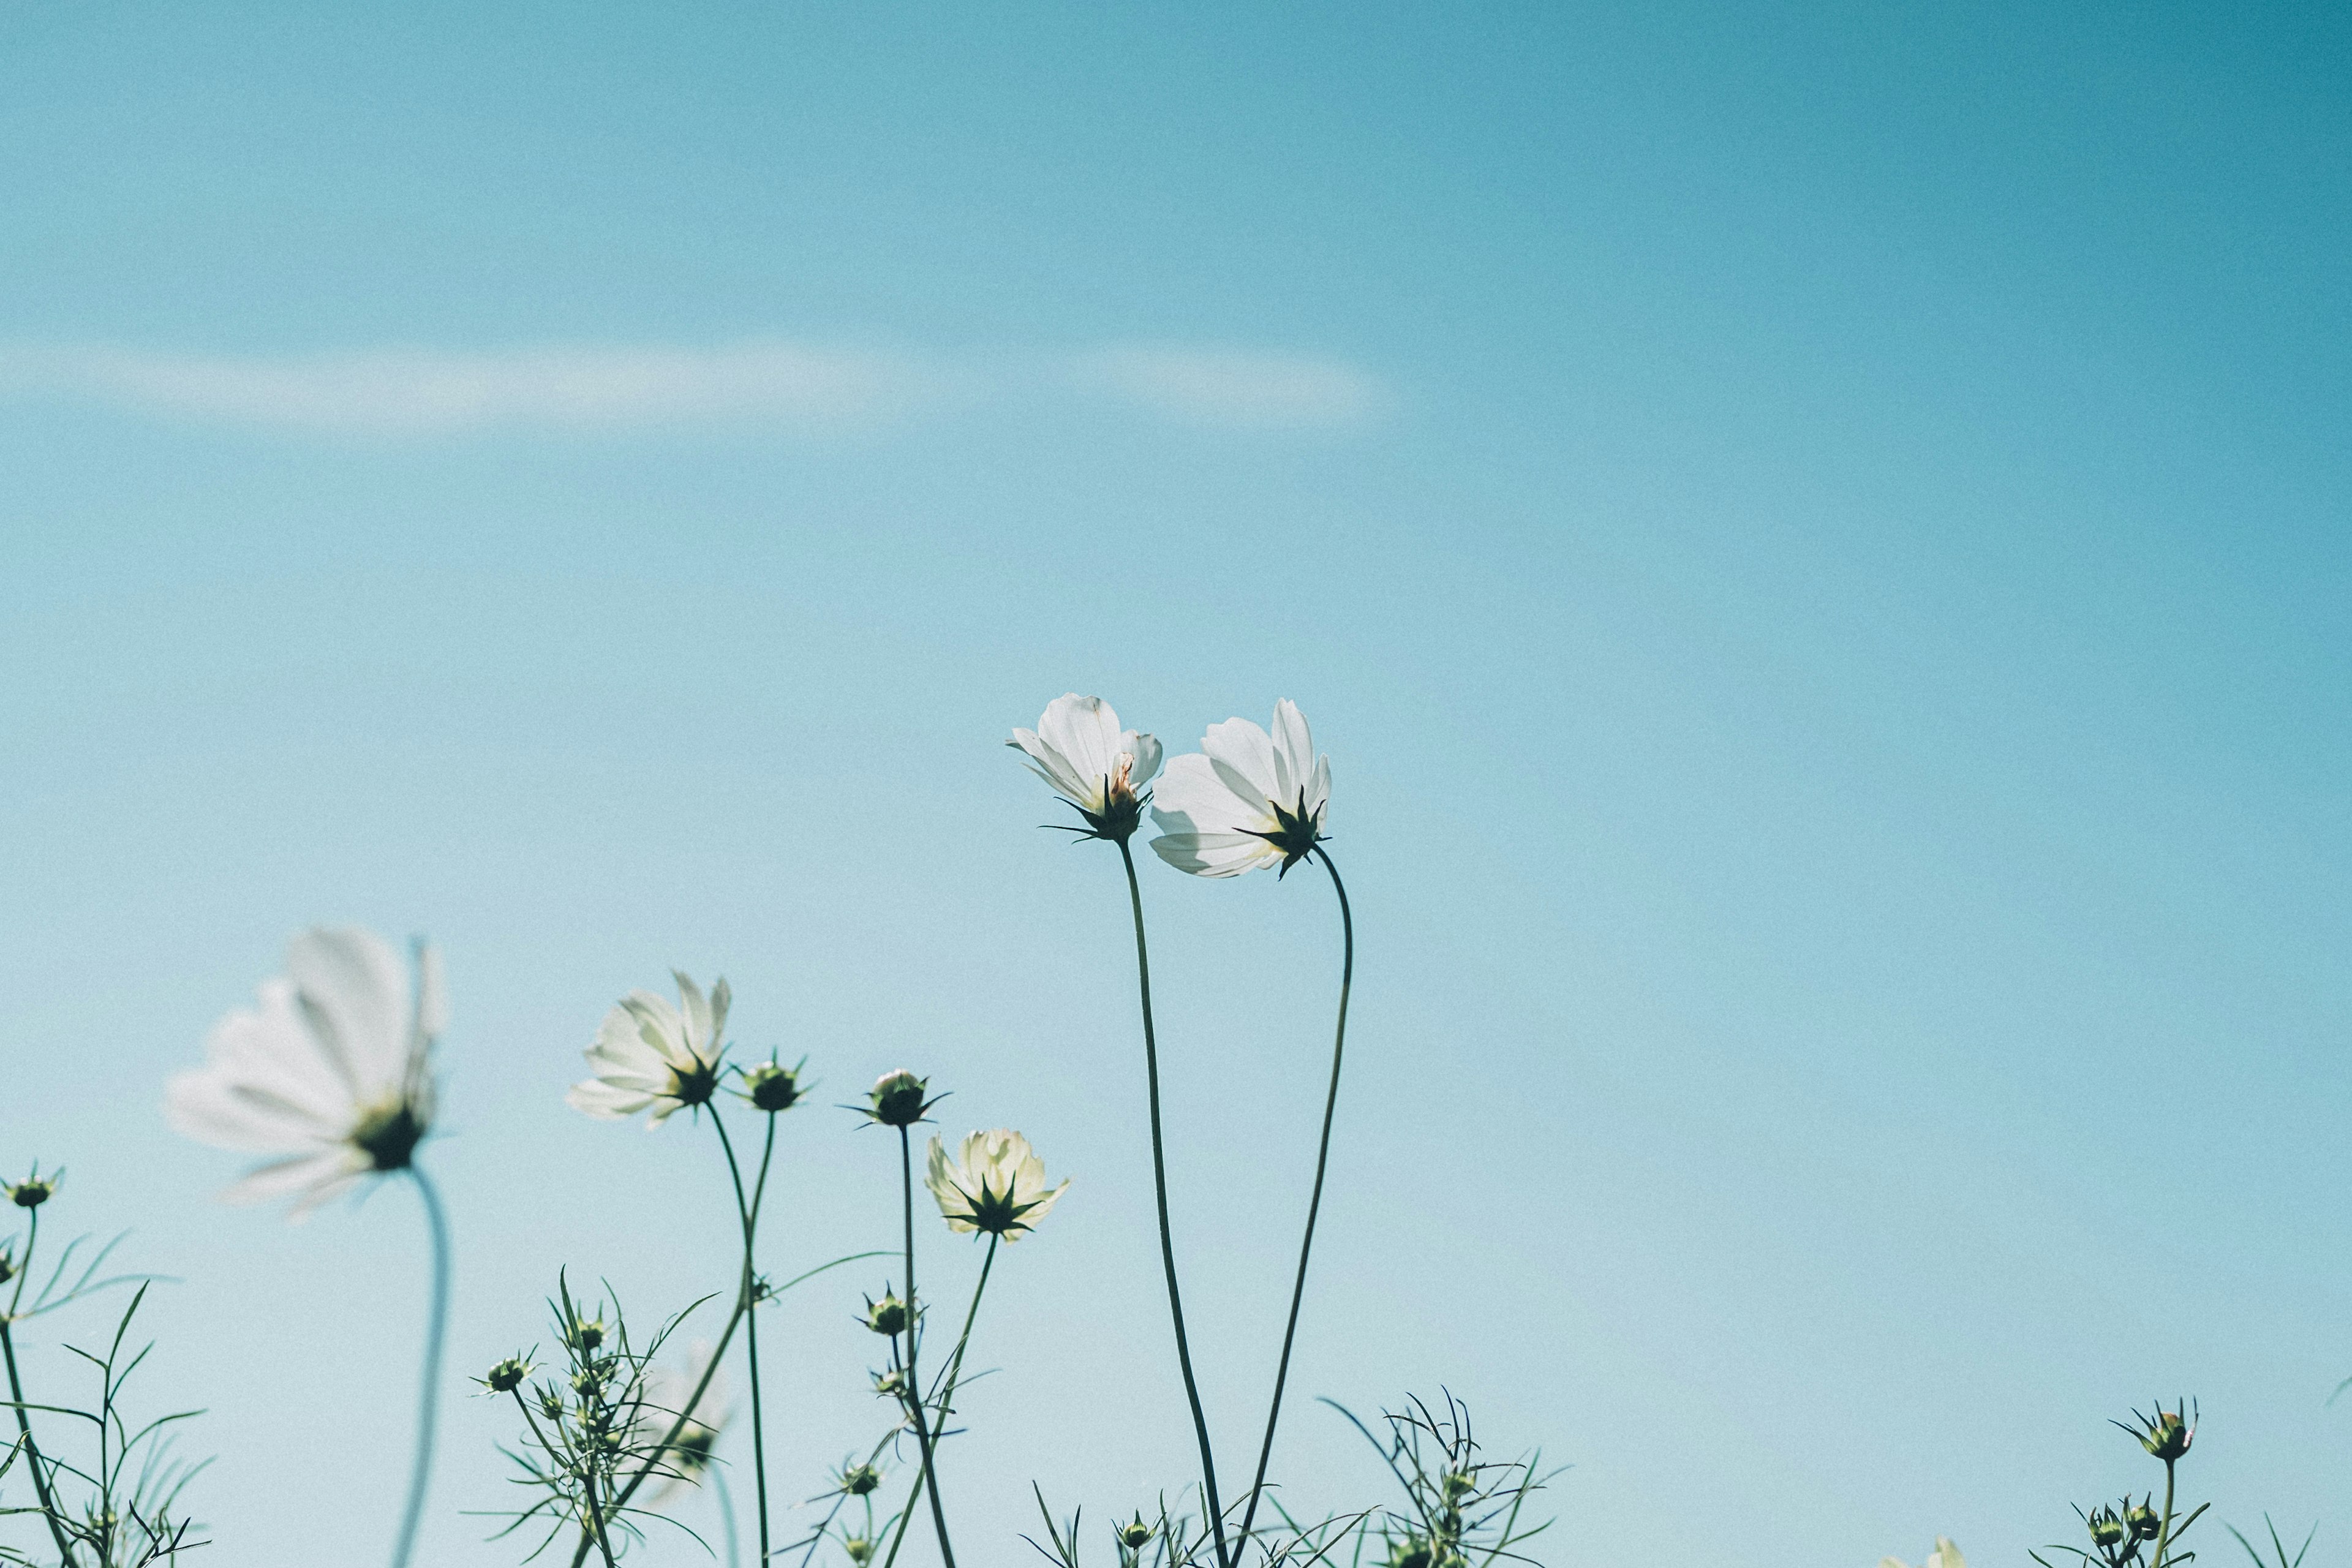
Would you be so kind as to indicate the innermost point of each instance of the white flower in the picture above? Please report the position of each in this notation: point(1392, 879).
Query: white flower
point(666, 1391)
point(1245, 799)
point(1945, 1555)
point(997, 1183)
point(650, 1054)
point(330, 1072)
point(1079, 749)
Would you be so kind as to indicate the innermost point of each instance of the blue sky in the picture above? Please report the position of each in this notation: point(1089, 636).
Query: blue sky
point(1815, 537)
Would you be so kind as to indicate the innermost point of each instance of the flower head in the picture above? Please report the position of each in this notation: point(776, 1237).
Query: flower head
point(667, 1391)
point(995, 1184)
point(1245, 799)
point(506, 1376)
point(1078, 749)
point(1135, 1535)
point(2167, 1434)
point(888, 1316)
point(651, 1056)
point(900, 1099)
point(771, 1086)
point(332, 1072)
point(35, 1189)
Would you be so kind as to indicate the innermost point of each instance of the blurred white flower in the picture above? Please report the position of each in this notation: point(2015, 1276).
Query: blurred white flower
point(332, 1072)
point(1078, 749)
point(1245, 799)
point(997, 1183)
point(666, 1390)
point(649, 1053)
point(1945, 1555)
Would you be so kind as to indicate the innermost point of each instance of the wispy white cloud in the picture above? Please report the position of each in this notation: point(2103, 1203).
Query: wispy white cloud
point(419, 392)
point(416, 393)
point(1236, 387)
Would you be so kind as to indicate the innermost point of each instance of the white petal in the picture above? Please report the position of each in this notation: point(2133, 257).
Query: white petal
point(1246, 757)
point(722, 998)
point(315, 1177)
point(1318, 789)
point(1049, 764)
point(1194, 790)
point(1086, 731)
point(353, 991)
point(1215, 854)
point(1145, 750)
point(598, 1098)
point(432, 994)
point(1294, 751)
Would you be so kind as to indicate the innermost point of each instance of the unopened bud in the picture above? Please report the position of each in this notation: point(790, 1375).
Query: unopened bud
point(506, 1376)
point(888, 1316)
point(1134, 1535)
point(898, 1100)
point(2144, 1521)
point(770, 1086)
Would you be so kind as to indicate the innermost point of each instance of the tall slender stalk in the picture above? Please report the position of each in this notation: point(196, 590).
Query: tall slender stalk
point(428, 1397)
point(1167, 1243)
point(914, 1390)
point(748, 1212)
point(947, 1396)
point(16, 1393)
point(1314, 1203)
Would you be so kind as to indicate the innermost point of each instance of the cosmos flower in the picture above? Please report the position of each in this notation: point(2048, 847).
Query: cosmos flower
point(997, 1183)
point(666, 1390)
point(330, 1072)
point(650, 1055)
point(1945, 1555)
point(1078, 749)
point(1245, 799)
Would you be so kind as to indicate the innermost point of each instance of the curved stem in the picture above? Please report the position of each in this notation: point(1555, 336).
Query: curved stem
point(1167, 1244)
point(914, 1390)
point(1315, 1202)
point(428, 1397)
point(747, 1211)
point(727, 1518)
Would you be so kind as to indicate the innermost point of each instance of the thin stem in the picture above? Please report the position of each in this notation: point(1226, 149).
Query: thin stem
point(23, 1417)
point(747, 1213)
point(1159, 1190)
point(947, 1397)
point(727, 1517)
point(1315, 1202)
point(914, 1390)
point(428, 1397)
point(595, 1515)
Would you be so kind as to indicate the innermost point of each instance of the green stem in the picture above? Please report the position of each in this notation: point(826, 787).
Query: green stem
point(596, 1517)
point(727, 1517)
point(1315, 1202)
point(1167, 1243)
point(2164, 1531)
point(914, 1390)
point(947, 1397)
point(428, 1397)
point(747, 1213)
point(16, 1393)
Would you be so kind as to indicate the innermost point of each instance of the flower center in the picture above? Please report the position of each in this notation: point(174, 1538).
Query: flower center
point(694, 1085)
point(388, 1135)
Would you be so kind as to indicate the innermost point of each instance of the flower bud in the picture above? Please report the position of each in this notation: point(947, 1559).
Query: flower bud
point(888, 1316)
point(898, 1100)
point(585, 1333)
point(34, 1190)
point(2168, 1436)
point(859, 1479)
point(860, 1550)
point(7, 1266)
point(770, 1086)
point(2144, 1522)
point(506, 1376)
point(551, 1403)
point(1411, 1552)
point(889, 1385)
point(2106, 1530)
point(1135, 1535)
